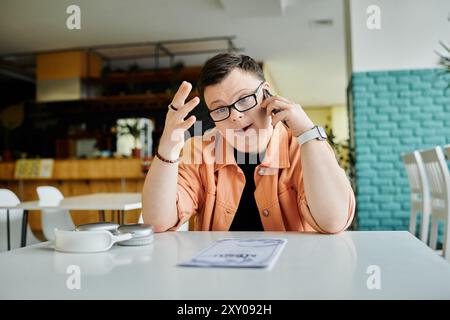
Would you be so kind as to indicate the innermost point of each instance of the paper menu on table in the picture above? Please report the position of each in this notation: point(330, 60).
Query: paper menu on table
point(239, 253)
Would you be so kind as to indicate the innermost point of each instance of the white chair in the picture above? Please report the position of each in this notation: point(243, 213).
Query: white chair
point(9, 199)
point(420, 193)
point(439, 181)
point(53, 218)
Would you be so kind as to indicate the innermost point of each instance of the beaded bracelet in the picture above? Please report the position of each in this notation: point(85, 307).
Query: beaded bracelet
point(166, 160)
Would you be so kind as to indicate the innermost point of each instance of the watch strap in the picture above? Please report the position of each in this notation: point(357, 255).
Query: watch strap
point(311, 134)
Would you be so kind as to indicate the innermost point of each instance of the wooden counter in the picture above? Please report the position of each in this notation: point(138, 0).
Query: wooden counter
point(75, 177)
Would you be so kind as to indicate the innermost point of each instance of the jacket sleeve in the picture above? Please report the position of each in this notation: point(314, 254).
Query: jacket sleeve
point(190, 194)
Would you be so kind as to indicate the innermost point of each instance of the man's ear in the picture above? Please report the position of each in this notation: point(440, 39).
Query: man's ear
point(267, 90)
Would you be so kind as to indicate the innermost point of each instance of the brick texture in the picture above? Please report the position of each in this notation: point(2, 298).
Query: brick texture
point(394, 112)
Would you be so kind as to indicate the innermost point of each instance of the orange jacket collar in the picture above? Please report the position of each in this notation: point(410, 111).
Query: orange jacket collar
point(276, 156)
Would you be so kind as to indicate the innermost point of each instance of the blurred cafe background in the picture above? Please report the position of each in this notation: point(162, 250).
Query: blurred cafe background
point(82, 109)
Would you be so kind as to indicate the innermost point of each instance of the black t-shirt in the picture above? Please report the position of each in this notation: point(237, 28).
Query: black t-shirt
point(247, 215)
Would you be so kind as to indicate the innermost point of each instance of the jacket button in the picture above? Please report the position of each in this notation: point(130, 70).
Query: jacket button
point(266, 213)
point(261, 171)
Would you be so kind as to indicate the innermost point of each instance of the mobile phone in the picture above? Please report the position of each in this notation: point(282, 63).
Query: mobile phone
point(268, 94)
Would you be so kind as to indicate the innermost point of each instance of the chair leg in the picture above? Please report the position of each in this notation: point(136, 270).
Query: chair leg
point(23, 240)
point(121, 217)
point(433, 233)
point(8, 230)
point(101, 215)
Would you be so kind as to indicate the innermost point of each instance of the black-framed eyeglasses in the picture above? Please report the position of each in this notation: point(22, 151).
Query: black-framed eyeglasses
point(243, 104)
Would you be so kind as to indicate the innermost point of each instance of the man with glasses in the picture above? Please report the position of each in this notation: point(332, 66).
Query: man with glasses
point(242, 105)
point(265, 165)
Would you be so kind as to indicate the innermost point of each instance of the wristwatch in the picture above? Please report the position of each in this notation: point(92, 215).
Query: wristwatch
point(316, 132)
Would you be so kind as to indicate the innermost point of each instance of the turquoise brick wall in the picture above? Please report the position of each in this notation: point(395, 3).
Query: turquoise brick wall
point(394, 112)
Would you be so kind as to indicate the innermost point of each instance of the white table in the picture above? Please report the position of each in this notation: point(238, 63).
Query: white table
point(121, 202)
point(311, 266)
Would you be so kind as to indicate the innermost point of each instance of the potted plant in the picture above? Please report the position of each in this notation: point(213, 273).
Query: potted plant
point(132, 128)
point(445, 60)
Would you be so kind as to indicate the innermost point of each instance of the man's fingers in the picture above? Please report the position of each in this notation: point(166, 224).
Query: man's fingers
point(181, 95)
point(272, 99)
point(275, 107)
point(188, 107)
point(266, 102)
point(186, 124)
point(280, 116)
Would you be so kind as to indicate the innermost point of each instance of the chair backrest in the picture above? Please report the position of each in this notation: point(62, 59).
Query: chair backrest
point(53, 218)
point(415, 170)
point(9, 198)
point(438, 175)
point(49, 195)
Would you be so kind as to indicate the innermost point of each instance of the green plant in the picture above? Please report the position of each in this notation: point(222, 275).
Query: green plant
point(445, 60)
point(342, 151)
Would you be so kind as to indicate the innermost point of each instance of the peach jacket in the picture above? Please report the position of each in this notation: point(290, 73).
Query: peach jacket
point(210, 185)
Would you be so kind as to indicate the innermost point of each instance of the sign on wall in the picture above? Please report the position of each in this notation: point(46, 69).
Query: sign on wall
point(33, 168)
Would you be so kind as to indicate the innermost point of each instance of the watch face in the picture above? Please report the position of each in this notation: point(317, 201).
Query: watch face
point(322, 132)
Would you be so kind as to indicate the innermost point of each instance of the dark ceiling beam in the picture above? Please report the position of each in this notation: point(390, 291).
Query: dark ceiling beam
point(122, 45)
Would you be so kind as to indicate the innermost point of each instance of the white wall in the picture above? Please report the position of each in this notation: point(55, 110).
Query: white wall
point(332, 116)
point(309, 82)
point(410, 33)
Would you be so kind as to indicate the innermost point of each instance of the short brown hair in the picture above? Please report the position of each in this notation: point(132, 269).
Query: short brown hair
point(219, 66)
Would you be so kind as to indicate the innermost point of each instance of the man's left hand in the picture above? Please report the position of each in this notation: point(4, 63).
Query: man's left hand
point(281, 109)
